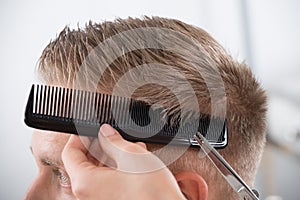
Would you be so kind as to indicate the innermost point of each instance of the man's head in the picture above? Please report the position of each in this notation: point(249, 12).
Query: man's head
point(245, 101)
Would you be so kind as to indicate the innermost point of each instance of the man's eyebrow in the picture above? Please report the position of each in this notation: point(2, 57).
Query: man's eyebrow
point(50, 162)
point(47, 161)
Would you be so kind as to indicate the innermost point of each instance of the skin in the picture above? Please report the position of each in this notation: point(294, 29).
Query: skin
point(52, 181)
point(67, 170)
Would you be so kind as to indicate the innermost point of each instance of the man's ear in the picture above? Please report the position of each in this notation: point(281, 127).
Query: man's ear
point(192, 185)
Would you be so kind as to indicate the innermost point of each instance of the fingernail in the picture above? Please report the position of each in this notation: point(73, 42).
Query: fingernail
point(107, 130)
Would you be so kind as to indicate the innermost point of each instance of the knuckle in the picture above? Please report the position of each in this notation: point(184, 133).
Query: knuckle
point(79, 192)
point(132, 148)
point(80, 187)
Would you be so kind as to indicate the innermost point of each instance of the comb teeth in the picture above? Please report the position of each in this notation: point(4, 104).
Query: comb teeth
point(86, 107)
point(82, 112)
point(78, 105)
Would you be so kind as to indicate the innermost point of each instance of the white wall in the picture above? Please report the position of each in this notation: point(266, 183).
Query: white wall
point(275, 31)
point(28, 26)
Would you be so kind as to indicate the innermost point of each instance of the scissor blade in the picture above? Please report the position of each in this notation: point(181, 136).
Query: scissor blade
point(225, 169)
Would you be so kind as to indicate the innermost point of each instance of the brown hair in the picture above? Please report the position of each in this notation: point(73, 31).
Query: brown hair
point(245, 99)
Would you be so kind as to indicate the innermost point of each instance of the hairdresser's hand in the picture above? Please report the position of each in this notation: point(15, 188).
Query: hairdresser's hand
point(130, 179)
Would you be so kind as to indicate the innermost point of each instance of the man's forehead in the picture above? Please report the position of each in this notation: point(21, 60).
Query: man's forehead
point(48, 143)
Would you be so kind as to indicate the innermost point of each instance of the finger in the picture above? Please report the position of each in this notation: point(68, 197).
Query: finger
point(95, 152)
point(129, 157)
point(142, 144)
point(86, 141)
point(114, 145)
point(74, 156)
point(99, 157)
point(113, 138)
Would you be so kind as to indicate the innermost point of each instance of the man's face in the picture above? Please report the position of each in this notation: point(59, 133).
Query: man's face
point(52, 181)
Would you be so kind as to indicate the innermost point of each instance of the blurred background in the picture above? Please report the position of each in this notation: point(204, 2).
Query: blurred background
point(263, 33)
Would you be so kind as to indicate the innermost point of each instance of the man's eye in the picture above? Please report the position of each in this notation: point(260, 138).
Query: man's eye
point(62, 178)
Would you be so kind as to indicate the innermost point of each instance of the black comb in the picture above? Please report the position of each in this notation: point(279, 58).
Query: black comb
point(83, 112)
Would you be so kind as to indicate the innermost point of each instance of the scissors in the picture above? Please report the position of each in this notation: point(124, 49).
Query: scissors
point(234, 180)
